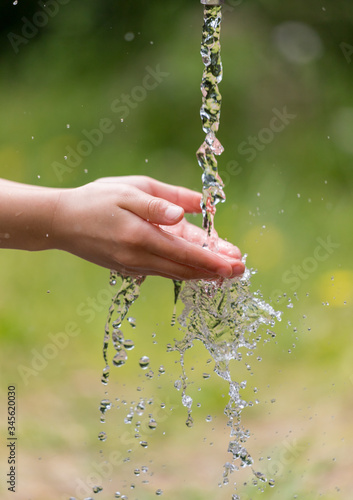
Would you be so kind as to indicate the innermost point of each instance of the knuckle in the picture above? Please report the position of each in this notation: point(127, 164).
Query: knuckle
point(154, 207)
point(125, 191)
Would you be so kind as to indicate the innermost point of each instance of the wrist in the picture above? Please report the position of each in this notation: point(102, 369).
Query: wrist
point(26, 217)
point(38, 231)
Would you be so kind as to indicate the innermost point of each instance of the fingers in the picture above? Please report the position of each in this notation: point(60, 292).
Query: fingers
point(156, 266)
point(238, 267)
point(150, 208)
point(227, 249)
point(147, 263)
point(167, 254)
point(197, 235)
point(186, 198)
point(174, 248)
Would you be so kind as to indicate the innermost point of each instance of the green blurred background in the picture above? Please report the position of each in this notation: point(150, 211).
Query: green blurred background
point(289, 189)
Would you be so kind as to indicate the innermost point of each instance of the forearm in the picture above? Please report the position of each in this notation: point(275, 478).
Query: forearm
point(26, 214)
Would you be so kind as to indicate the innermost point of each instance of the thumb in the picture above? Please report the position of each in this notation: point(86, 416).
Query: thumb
point(172, 214)
point(160, 211)
point(151, 208)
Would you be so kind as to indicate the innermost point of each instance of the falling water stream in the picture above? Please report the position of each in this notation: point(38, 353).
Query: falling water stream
point(212, 185)
point(224, 314)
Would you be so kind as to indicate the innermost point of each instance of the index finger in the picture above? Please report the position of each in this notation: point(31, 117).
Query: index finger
point(186, 198)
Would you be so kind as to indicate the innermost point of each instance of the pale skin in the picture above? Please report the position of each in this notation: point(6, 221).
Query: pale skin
point(134, 225)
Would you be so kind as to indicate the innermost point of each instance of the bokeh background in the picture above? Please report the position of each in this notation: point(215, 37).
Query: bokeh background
point(64, 67)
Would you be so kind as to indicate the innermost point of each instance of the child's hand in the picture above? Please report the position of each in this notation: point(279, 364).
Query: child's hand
point(115, 223)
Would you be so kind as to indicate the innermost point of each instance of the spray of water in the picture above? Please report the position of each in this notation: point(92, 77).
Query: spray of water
point(224, 315)
point(126, 295)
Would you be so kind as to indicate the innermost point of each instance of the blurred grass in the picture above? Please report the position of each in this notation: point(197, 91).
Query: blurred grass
point(70, 74)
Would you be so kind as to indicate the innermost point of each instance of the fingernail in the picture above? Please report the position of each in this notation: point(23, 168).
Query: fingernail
point(225, 272)
point(173, 212)
point(238, 269)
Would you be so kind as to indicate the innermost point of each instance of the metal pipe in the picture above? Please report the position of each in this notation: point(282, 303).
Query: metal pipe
point(212, 2)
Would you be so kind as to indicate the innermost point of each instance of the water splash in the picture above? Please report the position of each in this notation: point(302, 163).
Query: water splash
point(177, 288)
point(126, 295)
point(225, 316)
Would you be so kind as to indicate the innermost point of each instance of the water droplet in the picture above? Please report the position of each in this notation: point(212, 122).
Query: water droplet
point(129, 36)
point(187, 401)
point(102, 436)
point(97, 489)
point(128, 418)
point(152, 424)
point(105, 405)
point(159, 492)
point(140, 408)
point(128, 344)
point(137, 472)
point(144, 362)
point(260, 476)
point(208, 418)
point(206, 375)
point(117, 494)
point(105, 375)
point(112, 278)
point(132, 321)
point(120, 358)
point(178, 384)
point(161, 370)
point(149, 374)
point(144, 444)
point(189, 421)
point(15, 2)
point(68, 125)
